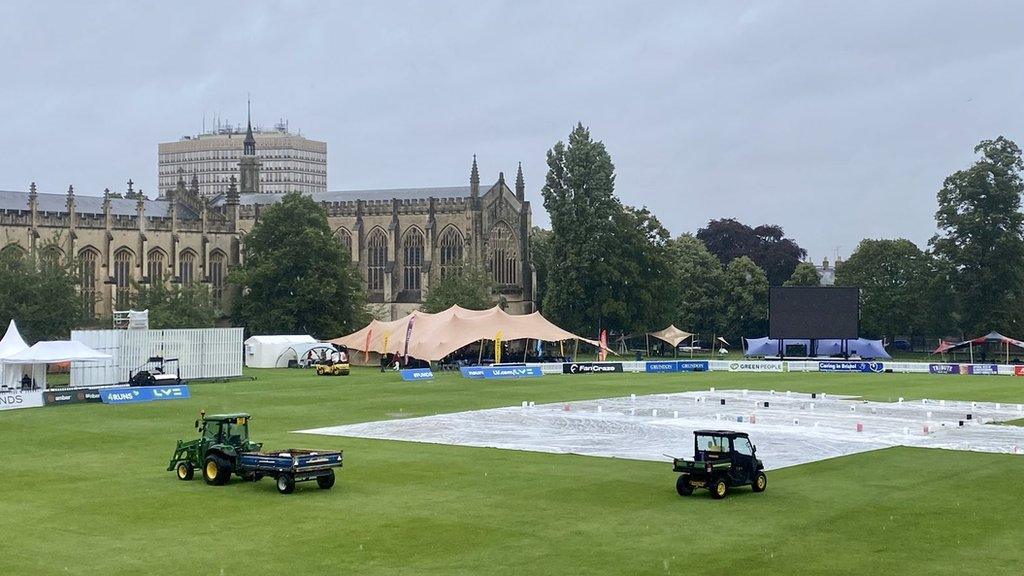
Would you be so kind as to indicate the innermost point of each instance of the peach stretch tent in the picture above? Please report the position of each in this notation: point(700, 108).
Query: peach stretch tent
point(434, 336)
point(671, 335)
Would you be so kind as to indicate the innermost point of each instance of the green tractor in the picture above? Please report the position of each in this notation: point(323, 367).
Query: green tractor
point(222, 438)
point(223, 448)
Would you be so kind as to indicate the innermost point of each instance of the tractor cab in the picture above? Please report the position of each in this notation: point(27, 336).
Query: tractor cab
point(227, 430)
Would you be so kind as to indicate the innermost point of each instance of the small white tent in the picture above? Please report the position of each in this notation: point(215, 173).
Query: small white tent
point(265, 351)
point(50, 352)
point(11, 344)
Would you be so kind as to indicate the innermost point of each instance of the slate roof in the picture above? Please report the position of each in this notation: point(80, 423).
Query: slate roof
point(353, 195)
point(16, 200)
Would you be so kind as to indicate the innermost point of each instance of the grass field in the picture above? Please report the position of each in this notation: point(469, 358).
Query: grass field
point(85, 491)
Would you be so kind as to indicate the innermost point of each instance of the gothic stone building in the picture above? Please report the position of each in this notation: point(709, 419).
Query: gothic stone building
point(401, 240)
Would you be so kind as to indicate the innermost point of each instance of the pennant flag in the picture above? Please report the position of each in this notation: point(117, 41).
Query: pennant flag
point(603, 354)
point(408, 335)
point(497, 348)
point(561, 348)
point(386, 344)
point(366, 349)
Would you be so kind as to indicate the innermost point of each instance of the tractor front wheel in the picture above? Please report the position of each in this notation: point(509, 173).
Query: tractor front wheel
point(285, 483)
point(185, 470)
point(719, 489)
point(760, 483)
point(216, 471)
point(683, 486)
point(326, 481)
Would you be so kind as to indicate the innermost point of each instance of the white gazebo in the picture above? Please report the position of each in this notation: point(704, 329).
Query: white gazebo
point(12, 343)
point(37, 356)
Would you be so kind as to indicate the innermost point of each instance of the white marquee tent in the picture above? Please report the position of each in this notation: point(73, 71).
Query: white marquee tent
point(40, 354)
point(12, 343)
point(268, 351)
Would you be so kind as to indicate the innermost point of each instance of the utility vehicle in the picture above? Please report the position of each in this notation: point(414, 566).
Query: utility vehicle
point(722, 460)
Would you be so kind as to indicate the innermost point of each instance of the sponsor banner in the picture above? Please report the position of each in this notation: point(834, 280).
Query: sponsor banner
point(500, 372)
point(20, 399)
point(944, 368)
point(414, 374)
point(71, 396)
point(1018, 370)
point(840, 366)
point(144, 394)
point(755, 366)
point(676, 366)
point(591, 367)
point(983, 369)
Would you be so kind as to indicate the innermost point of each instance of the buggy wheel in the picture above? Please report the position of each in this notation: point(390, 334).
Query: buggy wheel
point(760, 482)
point(185, 470)
point(719, 489)
point(683, 486)
point(285, 483)
point(216, 471)
point(326, 481)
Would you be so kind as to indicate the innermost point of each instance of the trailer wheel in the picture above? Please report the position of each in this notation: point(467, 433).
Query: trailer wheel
point(216, 471)
point(683, 486)
point(326, 481)
point(285, 483)
point(185, 470)
point(719, 489)
point(760, 482)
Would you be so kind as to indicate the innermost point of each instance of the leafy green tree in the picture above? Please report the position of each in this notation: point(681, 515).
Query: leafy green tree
point(766, 245)
point(40, 295)
point(297, 276)
point(470, 289)
point(981, 239)
point(893, 277)
point(746, 298)
point(699, 286)
point(188, 306)
point(540, 246)
point(579, 197)
point(805, 274)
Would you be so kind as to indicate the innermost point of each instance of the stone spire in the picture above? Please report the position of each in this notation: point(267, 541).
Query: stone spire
point(474, 180)
point(232, 196)
point(520, 184)
point(248, 164)
point(131, 190)
point(250, 140)
point(33, 196)
point(70, 203)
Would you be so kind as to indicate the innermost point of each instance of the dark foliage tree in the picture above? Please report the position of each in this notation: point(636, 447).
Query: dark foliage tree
point(746, 299)
point(981, 239)
point(540, 245)
point(297, 276)
point(766, 245)
point(176, 306)
point(471, 289)
point(699, 281)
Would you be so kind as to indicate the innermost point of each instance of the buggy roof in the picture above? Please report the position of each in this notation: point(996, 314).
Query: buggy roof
point(232, 416)
point(730, 433)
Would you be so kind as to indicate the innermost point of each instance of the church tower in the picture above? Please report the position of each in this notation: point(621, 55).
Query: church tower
point(249, 165)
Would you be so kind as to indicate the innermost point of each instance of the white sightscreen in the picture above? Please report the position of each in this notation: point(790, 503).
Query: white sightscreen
point(201, 353)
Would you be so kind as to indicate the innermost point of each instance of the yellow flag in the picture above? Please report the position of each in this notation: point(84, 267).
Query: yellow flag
point(385, 344)
point(497, 348)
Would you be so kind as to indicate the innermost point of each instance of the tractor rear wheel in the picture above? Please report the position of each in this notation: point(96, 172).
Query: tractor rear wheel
point(760, 482)
point(216, 471)
point(285, 483)
point(719, 489)
point(683, 486)
point(185, 470)
point(326, 481)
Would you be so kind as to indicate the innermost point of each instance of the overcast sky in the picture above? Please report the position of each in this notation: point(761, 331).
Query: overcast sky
point(835, 120)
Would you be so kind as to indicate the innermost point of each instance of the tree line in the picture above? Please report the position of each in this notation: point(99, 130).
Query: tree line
point(606, 265)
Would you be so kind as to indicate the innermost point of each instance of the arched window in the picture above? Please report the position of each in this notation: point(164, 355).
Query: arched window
point(157, 266)
point(87, 259)
point(186, 267)
point(376, 259)
point(217, 260)
point(412, 259)
point(123, 260)
point(452, 245)
point(346, 240)
point(12, 251)
point(50, 257)
point(503, 255)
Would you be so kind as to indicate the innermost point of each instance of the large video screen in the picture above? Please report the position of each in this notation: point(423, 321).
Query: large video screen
point(813, 312)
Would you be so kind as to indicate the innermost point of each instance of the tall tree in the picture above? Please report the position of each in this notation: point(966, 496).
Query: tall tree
point(297, 276)
point(805, 274)
point(746, 298)
point(699, 286)
point(893, 277)
point(579, 197)
point(981, 238)
point(540, 246)
point(766, 245)
point(39, 294)
point(188, 306)
point(471, 289)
